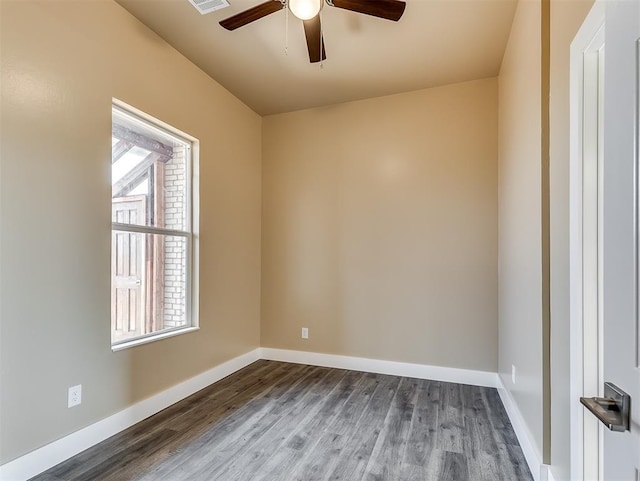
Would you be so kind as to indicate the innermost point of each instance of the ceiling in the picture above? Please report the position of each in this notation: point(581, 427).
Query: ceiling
point(436, 42)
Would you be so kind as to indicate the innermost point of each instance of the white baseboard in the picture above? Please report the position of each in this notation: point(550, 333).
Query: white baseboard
point(420, 371)
point(48, 456)
point(53, 453)
point(539, 470)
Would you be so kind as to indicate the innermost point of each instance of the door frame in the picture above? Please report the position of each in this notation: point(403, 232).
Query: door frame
point(589, 36)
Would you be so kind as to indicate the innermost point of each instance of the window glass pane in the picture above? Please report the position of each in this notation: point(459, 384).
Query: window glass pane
point(148, 284)
point(141, 189)
point(161, 162)
point(126, 164)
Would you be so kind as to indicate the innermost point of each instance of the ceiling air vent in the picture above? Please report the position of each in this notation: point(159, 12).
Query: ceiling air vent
point(208, 6)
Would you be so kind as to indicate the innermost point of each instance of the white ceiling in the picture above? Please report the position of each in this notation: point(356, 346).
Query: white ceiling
point(436, 42)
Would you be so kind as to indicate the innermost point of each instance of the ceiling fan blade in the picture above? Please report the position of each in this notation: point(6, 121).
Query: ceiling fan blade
point(313, 32)
point(387, 9)
point(252, 14)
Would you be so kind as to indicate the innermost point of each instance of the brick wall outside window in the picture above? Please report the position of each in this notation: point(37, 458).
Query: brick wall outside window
point(175, 247)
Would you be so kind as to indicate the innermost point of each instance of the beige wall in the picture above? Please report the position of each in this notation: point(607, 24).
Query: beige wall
point(380, 228)
point(520, 249)
point(62, 62)
point(520, 218)
point(566, 18)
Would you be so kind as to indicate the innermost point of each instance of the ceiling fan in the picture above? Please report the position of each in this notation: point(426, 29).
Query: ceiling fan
point(309, 12)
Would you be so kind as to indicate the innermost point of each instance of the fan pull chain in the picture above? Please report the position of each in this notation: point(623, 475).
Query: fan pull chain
point(286, 28)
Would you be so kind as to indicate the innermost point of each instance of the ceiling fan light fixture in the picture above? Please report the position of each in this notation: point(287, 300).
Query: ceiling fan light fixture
point(305, 9)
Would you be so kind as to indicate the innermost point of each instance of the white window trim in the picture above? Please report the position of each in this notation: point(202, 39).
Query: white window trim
point(192, 233)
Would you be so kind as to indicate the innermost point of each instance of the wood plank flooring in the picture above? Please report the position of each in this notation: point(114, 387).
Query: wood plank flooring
point(275, 421)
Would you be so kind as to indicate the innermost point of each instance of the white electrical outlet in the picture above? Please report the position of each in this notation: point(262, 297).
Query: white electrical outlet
point(305, 333)
point(513, 374)
point(75, 396)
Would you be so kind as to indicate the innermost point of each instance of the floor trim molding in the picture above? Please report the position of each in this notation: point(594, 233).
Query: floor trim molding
point(539, 471)
point(53, 453)
point(48, 456)
point(420, 371)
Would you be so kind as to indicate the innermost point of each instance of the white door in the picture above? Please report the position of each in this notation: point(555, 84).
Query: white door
point(621, 326)
point(605, 220)
point(128, 264)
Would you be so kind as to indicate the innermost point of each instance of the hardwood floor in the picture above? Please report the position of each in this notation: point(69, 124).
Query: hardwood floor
point(275, 421)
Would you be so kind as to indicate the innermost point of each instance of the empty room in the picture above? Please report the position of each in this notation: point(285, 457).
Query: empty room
point(319, 240)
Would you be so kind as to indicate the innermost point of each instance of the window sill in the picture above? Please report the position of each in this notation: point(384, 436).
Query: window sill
point(153, 338)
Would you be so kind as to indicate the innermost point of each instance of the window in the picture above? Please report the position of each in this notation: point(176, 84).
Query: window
point(153, 247)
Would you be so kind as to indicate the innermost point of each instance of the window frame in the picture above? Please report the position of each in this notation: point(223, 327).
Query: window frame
point(190, 233)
